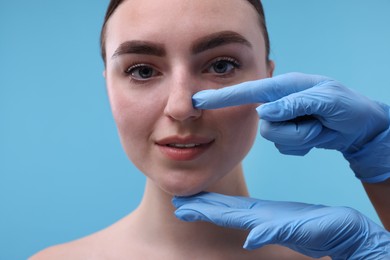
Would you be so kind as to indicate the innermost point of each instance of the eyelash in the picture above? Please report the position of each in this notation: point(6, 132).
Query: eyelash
point(235, 63)
point(130, 70)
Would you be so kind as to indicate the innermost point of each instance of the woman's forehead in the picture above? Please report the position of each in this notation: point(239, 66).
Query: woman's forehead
point(163, 21)
point(181, 9)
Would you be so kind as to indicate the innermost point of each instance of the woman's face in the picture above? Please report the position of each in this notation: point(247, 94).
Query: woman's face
point(159, 53)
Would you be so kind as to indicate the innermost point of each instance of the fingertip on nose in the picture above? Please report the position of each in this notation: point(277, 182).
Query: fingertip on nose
point(182, 109)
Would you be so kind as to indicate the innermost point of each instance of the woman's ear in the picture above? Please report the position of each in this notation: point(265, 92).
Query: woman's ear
point(270, 68)
point(104, 73)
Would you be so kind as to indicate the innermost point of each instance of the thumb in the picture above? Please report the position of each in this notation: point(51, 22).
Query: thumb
point(263, 234)
point(291, 132)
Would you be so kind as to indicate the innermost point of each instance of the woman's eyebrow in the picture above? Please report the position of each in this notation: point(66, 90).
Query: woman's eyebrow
point(218, 39)
point(140, 47)
point(202, 44)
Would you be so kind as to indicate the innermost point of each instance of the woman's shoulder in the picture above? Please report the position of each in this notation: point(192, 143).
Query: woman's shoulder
point(93, 246)
point(78, 249)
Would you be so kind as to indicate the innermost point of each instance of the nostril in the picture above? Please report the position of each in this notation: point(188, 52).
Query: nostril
point(181, 108)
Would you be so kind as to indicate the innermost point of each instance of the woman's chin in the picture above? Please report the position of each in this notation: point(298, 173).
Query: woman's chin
point(187, 183)
point(184, 188)
point(183, 191)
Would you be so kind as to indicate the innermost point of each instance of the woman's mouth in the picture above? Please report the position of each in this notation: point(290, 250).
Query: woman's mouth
point(183, 145)
point(184, 148)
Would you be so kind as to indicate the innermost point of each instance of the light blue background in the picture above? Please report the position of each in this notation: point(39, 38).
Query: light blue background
point(63, 173)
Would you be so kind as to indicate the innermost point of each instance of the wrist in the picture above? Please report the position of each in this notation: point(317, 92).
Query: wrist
point(371, 163)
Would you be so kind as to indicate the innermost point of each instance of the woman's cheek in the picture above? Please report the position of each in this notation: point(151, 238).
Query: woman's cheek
point(134, 114)
point(237, 115)
point(240, 124)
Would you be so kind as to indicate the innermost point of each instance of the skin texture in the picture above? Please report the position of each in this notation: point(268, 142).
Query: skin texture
point(150, 111)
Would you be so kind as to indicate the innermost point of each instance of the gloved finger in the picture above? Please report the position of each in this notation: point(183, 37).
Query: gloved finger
point(264, 234)
point(327, 139)
point(216, 199)
point(293, 150)
point(218, 215)
point(258, 91)
point(322, 102)
point(294, 133)
point(237, 202)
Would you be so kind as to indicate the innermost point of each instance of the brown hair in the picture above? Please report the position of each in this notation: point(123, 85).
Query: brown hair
point(113, 5)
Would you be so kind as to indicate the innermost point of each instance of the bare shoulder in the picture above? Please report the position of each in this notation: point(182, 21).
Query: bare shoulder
point(79, 249)
point(99, 245)
point(54, 252)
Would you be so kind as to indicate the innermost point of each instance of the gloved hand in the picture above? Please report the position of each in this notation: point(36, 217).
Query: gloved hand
point(313, 230)
point(305, 111)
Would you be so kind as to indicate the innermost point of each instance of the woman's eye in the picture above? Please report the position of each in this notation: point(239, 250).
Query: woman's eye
point(223, 66)
point(141, 72)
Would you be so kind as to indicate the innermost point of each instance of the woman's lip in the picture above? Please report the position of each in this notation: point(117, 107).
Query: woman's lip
point(183, 153)
point(198, 140)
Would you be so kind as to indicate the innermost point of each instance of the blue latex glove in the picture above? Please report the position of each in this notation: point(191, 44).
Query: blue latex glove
point(305, 111)
point(313, 230)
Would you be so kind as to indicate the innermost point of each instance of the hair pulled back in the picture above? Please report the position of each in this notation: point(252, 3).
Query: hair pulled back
point(114, 4)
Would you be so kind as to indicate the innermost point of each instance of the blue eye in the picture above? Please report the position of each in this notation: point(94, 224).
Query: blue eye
point(141, 72)
point(223, 66)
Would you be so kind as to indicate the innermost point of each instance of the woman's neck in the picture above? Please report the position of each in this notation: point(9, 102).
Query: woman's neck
point(160, 226)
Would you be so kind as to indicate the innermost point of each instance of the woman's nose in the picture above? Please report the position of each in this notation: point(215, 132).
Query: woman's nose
point(179, 103)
